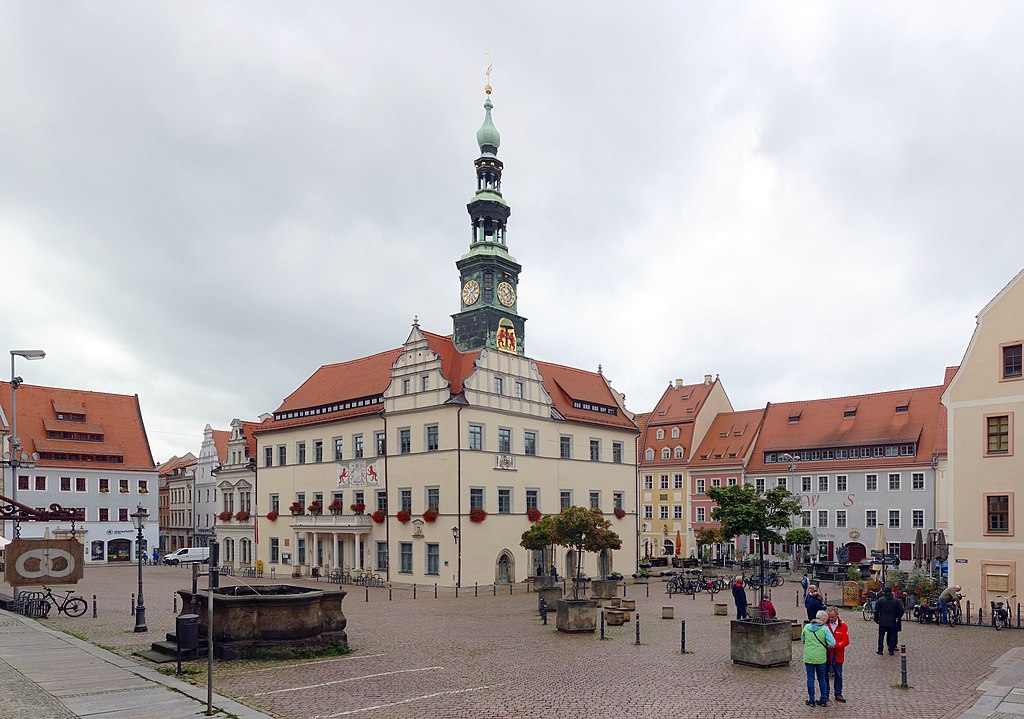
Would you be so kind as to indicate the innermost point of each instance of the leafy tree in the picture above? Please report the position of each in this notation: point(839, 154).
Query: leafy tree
point(800, 537)
point(540, 536)
point(742, 510)
point(582, 530)
point(706, 536)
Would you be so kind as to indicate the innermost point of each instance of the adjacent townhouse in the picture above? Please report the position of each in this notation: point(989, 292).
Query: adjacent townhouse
point(177, 487)
point(427, 462)
point(235, 478)
point(677, 424)
point(863, 467)
point(212, 453)
point(94, 455)
point(720, 460)
point(986, 461)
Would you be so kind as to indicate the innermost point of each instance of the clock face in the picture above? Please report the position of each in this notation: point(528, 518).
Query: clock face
point(506, 295)
point(470, 292)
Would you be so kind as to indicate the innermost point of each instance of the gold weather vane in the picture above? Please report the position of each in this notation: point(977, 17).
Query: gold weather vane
point(487, 72)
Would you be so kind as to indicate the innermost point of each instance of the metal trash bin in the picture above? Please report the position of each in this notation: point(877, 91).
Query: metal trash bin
point(186, 629)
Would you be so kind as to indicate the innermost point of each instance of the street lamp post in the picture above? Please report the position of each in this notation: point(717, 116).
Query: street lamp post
point(139, 518)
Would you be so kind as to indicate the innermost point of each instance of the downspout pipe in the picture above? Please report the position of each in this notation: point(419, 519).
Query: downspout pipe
point(387, 499)
point(458, 518)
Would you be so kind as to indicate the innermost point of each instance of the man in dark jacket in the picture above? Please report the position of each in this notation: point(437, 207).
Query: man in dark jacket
point(740, 597)
point(813, 602)
point(889, 618)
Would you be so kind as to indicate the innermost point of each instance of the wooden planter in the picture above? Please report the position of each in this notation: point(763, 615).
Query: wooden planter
point(761, 644)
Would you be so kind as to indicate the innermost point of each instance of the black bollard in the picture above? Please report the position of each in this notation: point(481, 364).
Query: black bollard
point(133, 602)
point(968, 612)
point(682, 636)
point(476, 589)
point(602, 624)
point(544, 611)
point(435, 590)
point(510, 589)
point(979, 616)
point(413, 591)
point(93, 606)
point(903, 665)
point(623, 587)
point(648, 586)
point(389, 594)
point(174, 603)
point(638, 628)
point(798, 599)
point(1018, 615)
point(456, 591)
point(367, 592)
point(494, 590)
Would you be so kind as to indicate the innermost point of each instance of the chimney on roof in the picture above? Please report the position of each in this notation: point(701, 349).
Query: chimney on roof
point(707, 379)
point(679, 384)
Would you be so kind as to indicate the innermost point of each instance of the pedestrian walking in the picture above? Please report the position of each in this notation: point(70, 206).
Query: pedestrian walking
point(554, 574)
point(813, 601)
point(817, 639)
point(837, 655)
point(156, 556)
point(740, 597)
point(804, 582)
point(889, 618)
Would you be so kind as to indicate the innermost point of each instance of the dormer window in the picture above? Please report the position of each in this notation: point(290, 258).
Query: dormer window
point(675, 433)
point(901, 408)
point(849, 414)
point(679, 452)
point(665, 453)
point(794, 418)
point(661, 434)
point(649, 454)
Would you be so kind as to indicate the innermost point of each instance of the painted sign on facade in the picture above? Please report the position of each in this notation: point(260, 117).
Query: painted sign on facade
point(44, 561)
point(358, 473)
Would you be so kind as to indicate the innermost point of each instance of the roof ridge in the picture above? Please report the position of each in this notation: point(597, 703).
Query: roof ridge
point(858, 396)
point(79, 391)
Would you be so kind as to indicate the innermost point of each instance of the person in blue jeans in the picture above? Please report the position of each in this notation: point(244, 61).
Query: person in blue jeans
point(817, 638)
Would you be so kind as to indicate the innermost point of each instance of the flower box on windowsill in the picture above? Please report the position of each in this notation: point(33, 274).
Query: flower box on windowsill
point(124, 491)
point(104, 491)
point(143, 491)
point(430, 515)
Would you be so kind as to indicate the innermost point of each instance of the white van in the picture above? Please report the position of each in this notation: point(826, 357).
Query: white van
point(188, 554)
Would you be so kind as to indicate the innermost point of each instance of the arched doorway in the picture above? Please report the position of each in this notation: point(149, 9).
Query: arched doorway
point(119, 550)
point(570, 563)
point(505, 569)
point(857, 552)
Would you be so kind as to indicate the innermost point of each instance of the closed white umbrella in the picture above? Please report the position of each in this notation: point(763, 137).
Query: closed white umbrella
point(880, 544)
point(4, 541)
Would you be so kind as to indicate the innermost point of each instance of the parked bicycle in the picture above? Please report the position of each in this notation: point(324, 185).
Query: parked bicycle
point(954, 613)
point(771, 579)
point(72, 606)
point(1001, 614)
point(868, 610)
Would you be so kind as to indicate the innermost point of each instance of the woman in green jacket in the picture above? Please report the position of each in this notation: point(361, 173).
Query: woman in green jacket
point(817, 638)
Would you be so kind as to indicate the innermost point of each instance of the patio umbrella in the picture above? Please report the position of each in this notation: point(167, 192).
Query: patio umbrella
point(918, 549)
point(4, 541)
point(679, 541)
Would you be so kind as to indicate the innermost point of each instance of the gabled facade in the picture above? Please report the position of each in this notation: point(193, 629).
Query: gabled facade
point(720, 461)
point(94, 456)
point(235, 486)
point(212, 453)
point(862, 466)
point(434, 452)
point(677, 424)
point(177, 484)
point(986, 457)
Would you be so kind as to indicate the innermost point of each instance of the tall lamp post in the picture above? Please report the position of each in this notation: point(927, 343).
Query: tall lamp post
point(15, 458)
point(139, 518)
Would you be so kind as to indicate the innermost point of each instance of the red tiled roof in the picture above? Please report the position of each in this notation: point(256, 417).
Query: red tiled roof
point(677, 408)
point(220, 441)
point(370, 377)
point(739, 429)
point(821, 425)
point(118, 416)
point(249, 429)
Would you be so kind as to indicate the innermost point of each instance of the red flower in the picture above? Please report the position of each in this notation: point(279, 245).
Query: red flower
point(242, 516)
point(533, 514)
point(379, 516)
point(477, 515)
point(297, 508)
point(620, 512)
point(430, 515)
point(403, 515)
point(272, 515)
point(225, 516)
point(358, 507)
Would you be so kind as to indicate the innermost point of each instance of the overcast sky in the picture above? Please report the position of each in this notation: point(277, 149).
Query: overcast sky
point(203, 202)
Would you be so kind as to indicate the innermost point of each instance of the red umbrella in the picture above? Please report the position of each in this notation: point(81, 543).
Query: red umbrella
point(679, 541)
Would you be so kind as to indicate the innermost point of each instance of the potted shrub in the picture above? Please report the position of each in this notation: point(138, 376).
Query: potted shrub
point(335, 507)
point(477, 515)
point(379, 516)
point(272, 515)
point(403, 515)
point(742, 510)
point(296, 508)
point(533, 514)
point(582, 530)
point(358, 507)
point(225, 516)
point(242, 516)
point(430, 515)
point(316, 507)
point(620, 512)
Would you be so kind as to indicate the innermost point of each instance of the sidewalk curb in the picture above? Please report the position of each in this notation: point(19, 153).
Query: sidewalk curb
point(219, 702)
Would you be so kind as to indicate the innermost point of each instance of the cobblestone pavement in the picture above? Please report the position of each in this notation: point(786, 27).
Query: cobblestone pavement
point(490, 656)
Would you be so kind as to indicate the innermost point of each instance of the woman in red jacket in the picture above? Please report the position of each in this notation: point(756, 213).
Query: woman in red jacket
point(836, 656)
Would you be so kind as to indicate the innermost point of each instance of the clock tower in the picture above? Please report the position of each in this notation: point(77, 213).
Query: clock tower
point(488, 274)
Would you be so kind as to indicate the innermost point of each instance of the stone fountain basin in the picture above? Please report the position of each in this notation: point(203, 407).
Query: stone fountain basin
point(272, 620)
